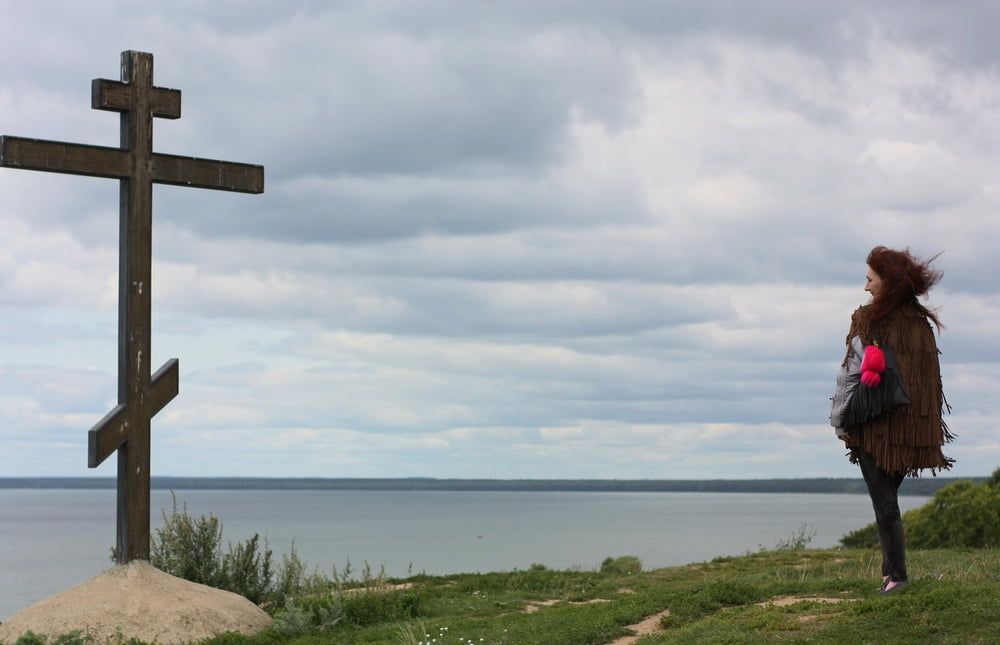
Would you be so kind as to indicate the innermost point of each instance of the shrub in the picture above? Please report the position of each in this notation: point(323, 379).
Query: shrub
point(302, 602)
point(624, 565)
point(293, 579)
point(798, 540)
point(960, 515)
point(75, 637)
point(191, 549)
point(374, 606)
point(732, 593)
point(247, 571)
point(291, 622)
point(864, 538)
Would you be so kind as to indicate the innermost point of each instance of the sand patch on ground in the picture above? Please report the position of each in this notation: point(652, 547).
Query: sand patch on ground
point(645, 627)
point(534, 606)
point(137, 600)
point(808, 562)
point(379, 588)
point(784, 601)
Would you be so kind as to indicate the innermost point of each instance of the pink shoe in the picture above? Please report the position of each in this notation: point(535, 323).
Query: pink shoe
point(893, 586)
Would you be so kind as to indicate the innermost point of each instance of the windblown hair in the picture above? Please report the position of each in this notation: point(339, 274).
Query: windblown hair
point(905, 278)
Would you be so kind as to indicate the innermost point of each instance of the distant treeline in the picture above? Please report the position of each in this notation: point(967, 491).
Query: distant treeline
point(924, 486)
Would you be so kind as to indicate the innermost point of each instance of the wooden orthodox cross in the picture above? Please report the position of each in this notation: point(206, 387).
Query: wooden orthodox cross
point(140, 396)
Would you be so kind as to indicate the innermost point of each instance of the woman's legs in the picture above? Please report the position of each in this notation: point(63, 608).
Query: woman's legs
point(883, 489)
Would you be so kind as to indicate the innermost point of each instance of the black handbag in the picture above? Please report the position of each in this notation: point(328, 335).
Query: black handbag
point(869, 403)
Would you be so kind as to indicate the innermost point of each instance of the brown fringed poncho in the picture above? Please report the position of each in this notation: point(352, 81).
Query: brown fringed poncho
point(909, 438)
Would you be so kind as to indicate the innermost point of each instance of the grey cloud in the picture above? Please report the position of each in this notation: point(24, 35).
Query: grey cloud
point(350, 101)
point(356, 210)
point(447, 307)
point(962, 29)
point(58, 390)
point(549, 309)
point(699, 264)
point(432, 399)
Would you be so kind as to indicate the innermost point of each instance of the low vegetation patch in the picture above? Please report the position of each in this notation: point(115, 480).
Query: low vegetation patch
point(625, 565)
point(960, 515)
point(825, 596)
point(191, 548)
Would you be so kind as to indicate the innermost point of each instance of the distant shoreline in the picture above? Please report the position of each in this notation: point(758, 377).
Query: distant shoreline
point(924, 486)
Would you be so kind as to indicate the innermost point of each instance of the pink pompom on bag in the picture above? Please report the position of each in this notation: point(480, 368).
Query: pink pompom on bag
point(872, 366)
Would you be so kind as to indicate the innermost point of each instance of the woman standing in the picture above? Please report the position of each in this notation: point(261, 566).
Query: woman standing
point(907, 439)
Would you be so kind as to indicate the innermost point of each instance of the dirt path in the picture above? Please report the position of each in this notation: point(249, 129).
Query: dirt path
point(534, 606)
point(784, 601)
point(651, 624)
point(647, 626)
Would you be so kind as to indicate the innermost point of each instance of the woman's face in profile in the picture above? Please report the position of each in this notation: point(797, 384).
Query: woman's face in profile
point(873, 283)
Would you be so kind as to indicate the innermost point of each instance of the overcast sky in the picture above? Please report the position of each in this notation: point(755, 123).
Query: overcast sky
point(503, 239)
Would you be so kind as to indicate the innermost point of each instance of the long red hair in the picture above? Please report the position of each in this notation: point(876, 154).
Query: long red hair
point(905, 278)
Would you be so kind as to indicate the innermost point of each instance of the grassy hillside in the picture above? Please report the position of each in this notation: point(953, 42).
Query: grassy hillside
point(786, 595)
point(954, 598)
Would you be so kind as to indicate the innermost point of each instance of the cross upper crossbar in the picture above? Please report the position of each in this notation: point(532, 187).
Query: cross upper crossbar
point(140, 395)
point(117, 97)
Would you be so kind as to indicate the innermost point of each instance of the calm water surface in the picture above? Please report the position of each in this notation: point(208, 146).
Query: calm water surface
point(51, 540)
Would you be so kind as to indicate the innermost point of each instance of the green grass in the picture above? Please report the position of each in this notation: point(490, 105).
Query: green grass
point(954, 597)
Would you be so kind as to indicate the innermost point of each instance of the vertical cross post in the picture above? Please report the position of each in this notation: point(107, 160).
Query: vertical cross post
point(135, 243)
point(126, 428)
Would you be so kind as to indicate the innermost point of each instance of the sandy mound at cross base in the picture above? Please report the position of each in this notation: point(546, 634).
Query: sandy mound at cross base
point(136, 600)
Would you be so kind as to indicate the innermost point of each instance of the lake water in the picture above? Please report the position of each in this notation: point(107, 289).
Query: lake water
point(51, 540)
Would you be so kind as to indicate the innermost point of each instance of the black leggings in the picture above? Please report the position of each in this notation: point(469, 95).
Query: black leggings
point(883, 488)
